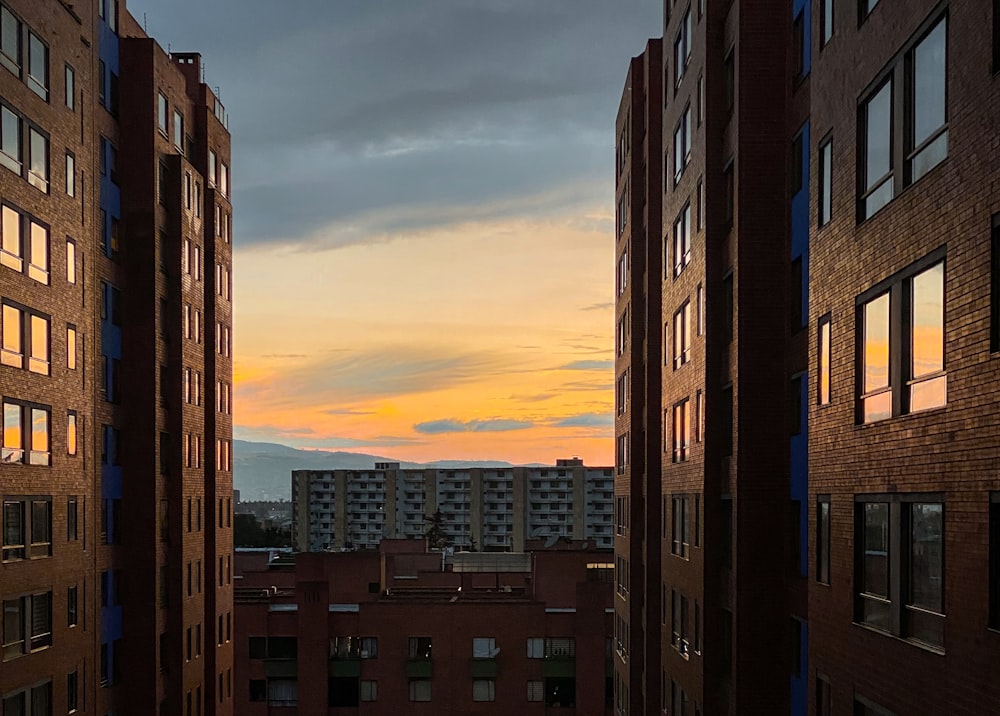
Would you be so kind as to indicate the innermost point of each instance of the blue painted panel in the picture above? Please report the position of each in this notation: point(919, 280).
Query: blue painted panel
point(111, 335)
point(805, 7)
point(800, 682)
point(799, 459)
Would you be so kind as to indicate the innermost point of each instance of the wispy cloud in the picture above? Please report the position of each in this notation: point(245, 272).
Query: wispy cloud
point(586, 420)
point(588, 365)
point(494, 425)
point(308, 438)
point(272, 356)
point(348, 411)
point(598, 306)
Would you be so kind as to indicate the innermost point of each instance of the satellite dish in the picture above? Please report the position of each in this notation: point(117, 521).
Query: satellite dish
point(551, 541)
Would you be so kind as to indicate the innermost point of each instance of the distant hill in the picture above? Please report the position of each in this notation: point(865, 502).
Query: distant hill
point(263, 471)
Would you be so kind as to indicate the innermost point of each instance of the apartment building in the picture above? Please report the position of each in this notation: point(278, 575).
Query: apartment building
point(401, 630)
point(828, 508)
point(904, 299)
point(638, 371)
point(116, 476)
point(487, 509)
point(706, 536)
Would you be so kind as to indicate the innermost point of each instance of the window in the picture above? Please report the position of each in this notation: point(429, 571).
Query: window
point(700, 104)
point(682, 240)
point(623, 332)
point(23, 329)
point(994, 286)
point(536, 691)
point(38, 66)
point(800, 48)
point(25, 433)
point(623, 210)
point(862, 706)
point(826, 22)
point(678, 622)
point(102, 83)
point(420, 648)
point(224, 178)
point(900, 580)
point(10, 41)
point(258, 690)
point(824, 697)
point(682, 335)
point(682, 47)
point(699, 415)
point(621, 392)
point(730, 180)
point(892, 160)
point(71, 435)
point(681, 431)
point(70, 175)
point(622, 272)
point(865, 7)
point(918, 382)
point(483, 647)
point(369, 691)
point(622, 453)
point(282, 692)
point(730, 69)
point(161, 113)
point(71, 347)
point(179, 130)
point(823, 359)
point(825, 203)
point(27, 624)
point(483, 690)
point(680, 534)
point(38, 159)
point(420, 689)
point(10, 139)
point(682, 144)
point(823, 539)
point(70, 87)
point(994, 560)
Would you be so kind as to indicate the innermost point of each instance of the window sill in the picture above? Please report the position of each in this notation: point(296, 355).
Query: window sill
point(937, 650)
point(895, 419)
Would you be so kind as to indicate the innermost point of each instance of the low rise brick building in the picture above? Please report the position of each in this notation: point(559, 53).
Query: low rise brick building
point(410, 631)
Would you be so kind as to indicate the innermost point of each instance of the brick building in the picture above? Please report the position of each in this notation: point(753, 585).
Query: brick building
point(492, 509)
point(114, 272)
point(828, 513)
point(402, 630)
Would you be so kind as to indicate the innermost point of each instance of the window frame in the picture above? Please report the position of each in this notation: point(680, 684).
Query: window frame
point(824, 177)
point(899, 612)
point(899, 74)
point(899, 289)
point(823, 533)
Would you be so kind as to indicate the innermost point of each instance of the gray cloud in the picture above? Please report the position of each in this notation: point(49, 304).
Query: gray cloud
point(493, 425)
point(341, 110)
point(307, 437)
point(588, 365)
point(586, 420)
point(598, 306)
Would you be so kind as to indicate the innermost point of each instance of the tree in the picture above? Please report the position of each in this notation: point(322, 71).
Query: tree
point(436, 537)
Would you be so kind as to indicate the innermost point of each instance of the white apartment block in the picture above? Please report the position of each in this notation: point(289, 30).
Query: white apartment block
point(487, 509)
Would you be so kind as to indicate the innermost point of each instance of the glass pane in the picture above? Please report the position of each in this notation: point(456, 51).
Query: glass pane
point(39, 150)
point(9, 28)
point(927, 322)
point(929, 70)
point(875, 613)
point(11, 345)
point(876, 549)
point(824, 363)
point(39, 360)
point(878, 407)
point(10, 141)
point(826, 200)
point(71, 348)
point(927, 556)
point(12, 436)
point(878, 145)
point(39, 437)
point(879, 197)
point(929, 156)
point(71, 434)
point(929, 394)
point(36, 59)
point(38, 268)
point(876, 343)
point(71, 262)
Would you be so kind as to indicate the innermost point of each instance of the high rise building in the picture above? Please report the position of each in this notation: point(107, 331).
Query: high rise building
point(827, 513)
point(114, 274)
point(488, 509)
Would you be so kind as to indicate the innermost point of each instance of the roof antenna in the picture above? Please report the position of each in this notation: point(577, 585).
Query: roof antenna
point(145, 27)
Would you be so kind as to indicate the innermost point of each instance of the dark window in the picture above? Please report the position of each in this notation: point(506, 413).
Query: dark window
point(343, 692)
point(901, 343)
point(900, 147)
point(730, 179)
point(995, 285)
point(420, 648)
point(799, 47)
point(727, 302)
point(825, 203)
point(678, 622)
point(730, 80)
point(823, 539)
point(680, 536)
point(726, 519)
point(71, 607)
point(865, 7)
point(824, 697)
point(899, 565)
point(72, 509)
point(995, 560)
point(862, 706)
point(798, 162)
point(258, 690)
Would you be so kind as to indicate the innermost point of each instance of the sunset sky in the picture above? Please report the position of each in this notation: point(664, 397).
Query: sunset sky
point(424, 218)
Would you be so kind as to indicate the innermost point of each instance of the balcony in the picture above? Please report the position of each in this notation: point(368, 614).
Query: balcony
point(419, 668)
point(483, 667)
